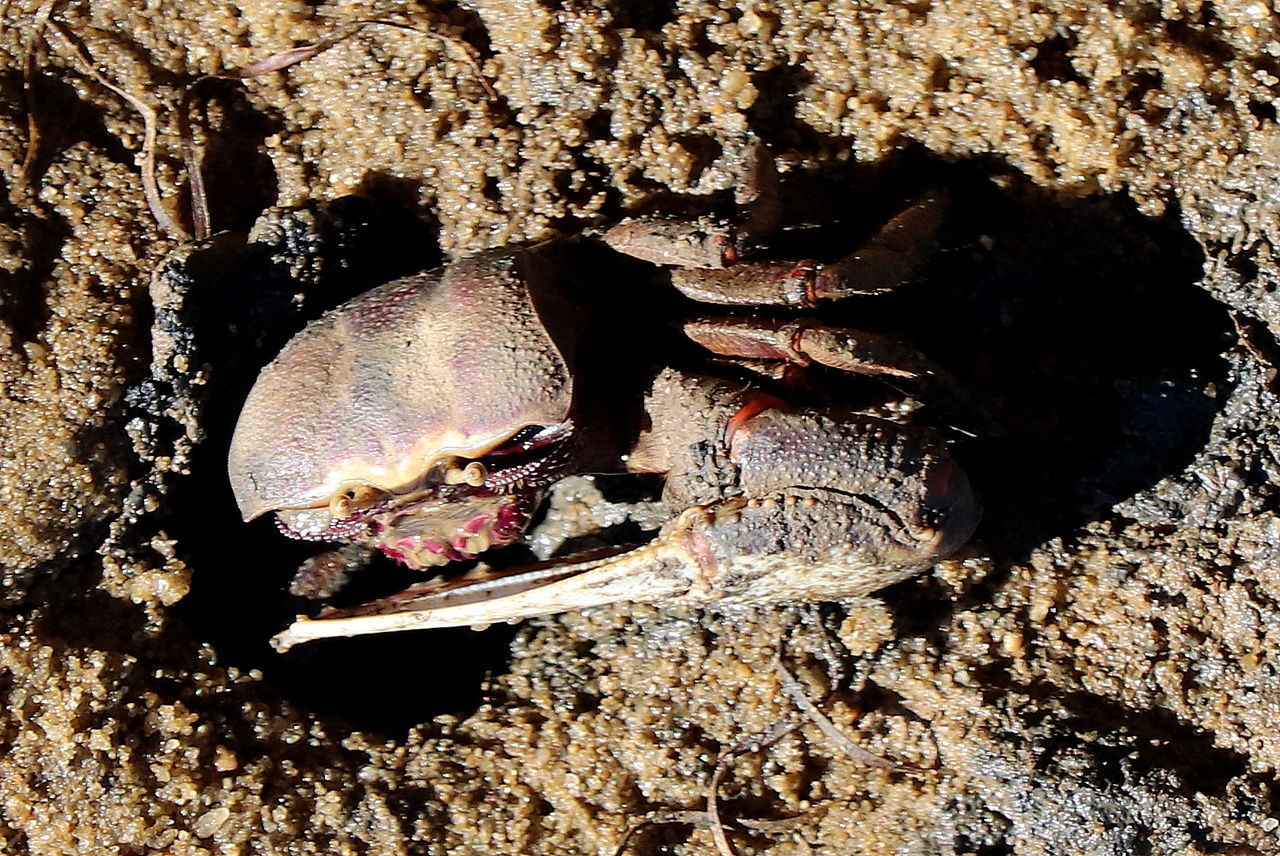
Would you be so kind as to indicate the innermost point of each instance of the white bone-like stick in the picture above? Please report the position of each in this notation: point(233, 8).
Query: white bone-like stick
point(654, 572)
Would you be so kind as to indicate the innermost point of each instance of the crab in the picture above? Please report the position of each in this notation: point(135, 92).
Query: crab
point(428, 417)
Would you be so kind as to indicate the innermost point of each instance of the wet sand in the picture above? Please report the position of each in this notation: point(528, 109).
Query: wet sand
point(1096, 673)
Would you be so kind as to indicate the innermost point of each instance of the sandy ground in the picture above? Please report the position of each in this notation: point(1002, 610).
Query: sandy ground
point(1098, 673)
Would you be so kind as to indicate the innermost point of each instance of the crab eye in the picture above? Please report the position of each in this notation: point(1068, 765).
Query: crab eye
point(446, 470)
point(353, 499)
point(473, 474)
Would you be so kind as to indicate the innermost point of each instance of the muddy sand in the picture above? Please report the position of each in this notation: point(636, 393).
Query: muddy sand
point(1097, 673)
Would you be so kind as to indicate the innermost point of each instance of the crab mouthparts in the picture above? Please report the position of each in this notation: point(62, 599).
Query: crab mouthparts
point(461, 508)
point(432, 533)
point(428, 530)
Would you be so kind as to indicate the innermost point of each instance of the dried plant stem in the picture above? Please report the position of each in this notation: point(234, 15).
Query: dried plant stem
point(828, 728)
point(146, 158)
point(192, 154)
point(279, 61)
point(724, 763)
point(38, 24)
point(655, 818)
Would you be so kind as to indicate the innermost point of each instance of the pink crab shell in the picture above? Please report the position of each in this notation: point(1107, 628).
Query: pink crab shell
point(449, 362)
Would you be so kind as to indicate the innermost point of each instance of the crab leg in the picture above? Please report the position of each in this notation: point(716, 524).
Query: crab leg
point(709, 243)
point(803, 342)
point(769, 347)
point(704, 243)
point(889, 259)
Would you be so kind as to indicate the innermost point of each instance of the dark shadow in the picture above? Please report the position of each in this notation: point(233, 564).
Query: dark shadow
point(85, 616)
point(1079, 326)
point(772, 116)
point(24, 302)
point(643, 15)
point(64, 120)
point(1154, 738)
point(244, 181)
point(1052, 60)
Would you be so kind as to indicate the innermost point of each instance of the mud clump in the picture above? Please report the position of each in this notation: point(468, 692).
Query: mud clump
point(1098, 673)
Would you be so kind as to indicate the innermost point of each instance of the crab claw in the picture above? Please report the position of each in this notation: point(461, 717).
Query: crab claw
point(488, 597)
point(838, 546)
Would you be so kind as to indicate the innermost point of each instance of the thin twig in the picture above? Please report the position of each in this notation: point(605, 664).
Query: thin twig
point(193, 157)
point(192, 154)
point(292, 56)
point(723, 763)
point(38, 24)
point(835, 663)
point(279, 61)
point(828, 728)
point(1246, 331)
point(710, 817)
point(146, 160)
point(772, 827)
point(661, 816)
point(456, 45)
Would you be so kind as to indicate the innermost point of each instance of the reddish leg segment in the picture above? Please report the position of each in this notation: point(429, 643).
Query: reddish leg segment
point(889, 259)
point(803, 342)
